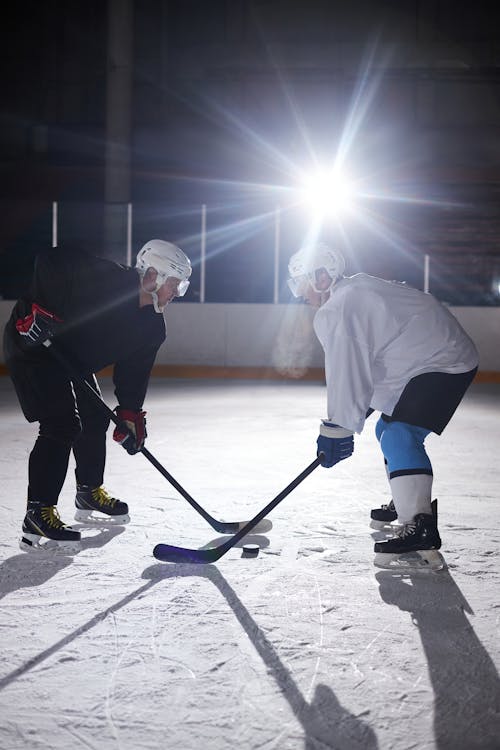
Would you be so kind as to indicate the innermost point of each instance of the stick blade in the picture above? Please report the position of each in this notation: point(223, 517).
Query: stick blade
point(169, 553)
point(260, 528)
point(226, 527)
point(232, 527)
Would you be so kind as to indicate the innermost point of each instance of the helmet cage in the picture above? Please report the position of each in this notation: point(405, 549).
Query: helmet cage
point(306, 262)
point(182, 285)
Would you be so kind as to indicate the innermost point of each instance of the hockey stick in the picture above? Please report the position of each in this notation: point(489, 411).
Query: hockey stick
point(168, 553)
point(223, 527)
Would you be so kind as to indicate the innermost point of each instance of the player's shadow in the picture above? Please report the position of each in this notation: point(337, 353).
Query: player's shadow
point(29, 569)
point(464, 678)
point(326, 723)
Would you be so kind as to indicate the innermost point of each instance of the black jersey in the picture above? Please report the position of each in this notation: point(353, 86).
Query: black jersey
point(102, 323)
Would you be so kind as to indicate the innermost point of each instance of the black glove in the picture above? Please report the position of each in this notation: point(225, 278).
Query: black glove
point(38, 326)
point(132, 422)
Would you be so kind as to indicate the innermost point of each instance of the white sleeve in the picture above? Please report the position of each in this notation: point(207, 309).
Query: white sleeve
point(348, 369)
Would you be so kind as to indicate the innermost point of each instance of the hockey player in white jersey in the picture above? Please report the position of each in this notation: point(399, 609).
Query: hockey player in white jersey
point(396, 350)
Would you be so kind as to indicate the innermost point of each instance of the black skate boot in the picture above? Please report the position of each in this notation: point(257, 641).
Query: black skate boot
point(415, 545)
point(44, 530)
point(383, 516)
point(96, 504)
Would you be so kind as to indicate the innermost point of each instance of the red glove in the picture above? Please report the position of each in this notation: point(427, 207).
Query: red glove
point(131, 433)
point(38, 326)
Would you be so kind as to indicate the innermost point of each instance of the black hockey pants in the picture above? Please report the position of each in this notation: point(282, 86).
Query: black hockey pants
point(81, 428)
point(69, 420)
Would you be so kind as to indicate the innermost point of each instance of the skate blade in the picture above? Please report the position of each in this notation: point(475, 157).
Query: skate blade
point(429, 559)
point(95, 518)
point(385, 525)
point(40, 544)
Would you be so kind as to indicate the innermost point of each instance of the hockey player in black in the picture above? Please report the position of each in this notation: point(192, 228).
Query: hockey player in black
point(99, 314)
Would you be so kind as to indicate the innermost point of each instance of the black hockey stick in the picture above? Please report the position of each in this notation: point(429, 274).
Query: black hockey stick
point(168, 553)
point(223, 527)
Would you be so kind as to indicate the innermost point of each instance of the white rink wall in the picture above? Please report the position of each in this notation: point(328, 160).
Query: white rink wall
point(277, 336)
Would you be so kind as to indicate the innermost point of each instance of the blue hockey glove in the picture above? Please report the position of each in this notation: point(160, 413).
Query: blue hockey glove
point(334, 442)
point(38, 326)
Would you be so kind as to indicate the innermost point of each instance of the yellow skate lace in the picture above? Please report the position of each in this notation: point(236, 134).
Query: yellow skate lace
point(51, 516)
point(103, 497)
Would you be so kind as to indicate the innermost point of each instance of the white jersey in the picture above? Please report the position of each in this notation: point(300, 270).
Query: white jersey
point(378, 335)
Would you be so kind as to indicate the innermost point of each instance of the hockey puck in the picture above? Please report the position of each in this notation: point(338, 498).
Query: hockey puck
point(250, 550)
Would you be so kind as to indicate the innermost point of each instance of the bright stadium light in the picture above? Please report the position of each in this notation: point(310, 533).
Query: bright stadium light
point(327, 193)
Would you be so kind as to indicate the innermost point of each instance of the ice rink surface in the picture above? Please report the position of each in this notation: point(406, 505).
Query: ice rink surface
point(308, 646)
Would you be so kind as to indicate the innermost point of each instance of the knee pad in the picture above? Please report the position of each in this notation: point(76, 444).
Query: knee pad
point(63, 429)
point(403, 447)
point(380, 427)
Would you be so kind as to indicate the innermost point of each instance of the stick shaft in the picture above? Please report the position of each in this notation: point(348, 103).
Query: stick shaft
point(169, 553)
point(77, 377)
point(270, 506)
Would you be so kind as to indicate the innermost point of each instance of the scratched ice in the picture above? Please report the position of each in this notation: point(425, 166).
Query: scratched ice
point(307, 646)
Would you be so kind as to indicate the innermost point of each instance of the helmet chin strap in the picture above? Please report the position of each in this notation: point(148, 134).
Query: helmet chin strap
point(154, 294)
point(156, 306)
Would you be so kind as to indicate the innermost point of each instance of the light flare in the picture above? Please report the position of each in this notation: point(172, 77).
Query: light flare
point(328, 193)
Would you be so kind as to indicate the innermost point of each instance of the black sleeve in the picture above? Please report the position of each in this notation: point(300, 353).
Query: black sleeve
point(131, 377)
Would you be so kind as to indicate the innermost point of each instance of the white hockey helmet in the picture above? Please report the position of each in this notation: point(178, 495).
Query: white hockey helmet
point(310, 259)
point(168, 260)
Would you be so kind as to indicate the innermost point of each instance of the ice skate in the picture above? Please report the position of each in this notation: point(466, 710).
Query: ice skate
point(384, 517)
point(97, 506)
point(44, 531)
point(415, 545)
